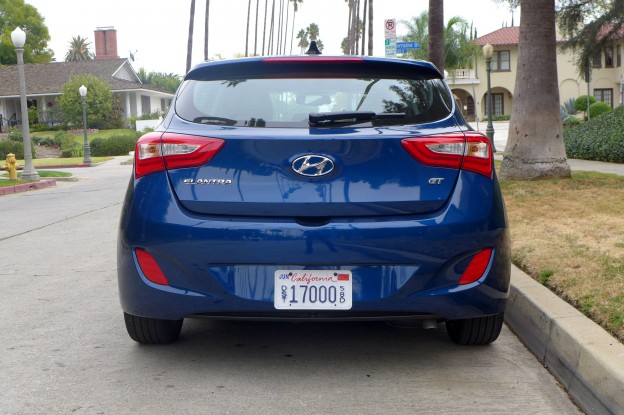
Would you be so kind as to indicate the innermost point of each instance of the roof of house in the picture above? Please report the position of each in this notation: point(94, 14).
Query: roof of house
point(505, 36)
point(49, 78)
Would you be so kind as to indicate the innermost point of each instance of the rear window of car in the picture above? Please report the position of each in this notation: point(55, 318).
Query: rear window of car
point(288, 102)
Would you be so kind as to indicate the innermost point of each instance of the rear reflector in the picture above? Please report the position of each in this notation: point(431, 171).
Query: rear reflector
point(150, 267)
point(157, 152)
point(469, 151)
point(477, 267)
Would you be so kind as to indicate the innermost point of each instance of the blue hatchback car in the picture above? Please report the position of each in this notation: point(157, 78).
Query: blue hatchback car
point(315, 188)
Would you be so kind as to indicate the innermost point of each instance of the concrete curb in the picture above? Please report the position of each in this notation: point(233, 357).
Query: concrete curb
point(27, 186)
point(584, 358)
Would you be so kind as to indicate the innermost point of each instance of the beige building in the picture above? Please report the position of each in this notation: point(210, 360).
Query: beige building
point(470, 85)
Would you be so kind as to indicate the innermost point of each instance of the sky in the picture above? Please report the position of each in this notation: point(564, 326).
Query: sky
point(156, 31)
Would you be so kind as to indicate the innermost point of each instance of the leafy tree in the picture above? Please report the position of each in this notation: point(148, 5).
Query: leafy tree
point(99, 100)
point(459, 48)
point(580, 104)
point(15, 13)
point(78, 50)
point(535, 147)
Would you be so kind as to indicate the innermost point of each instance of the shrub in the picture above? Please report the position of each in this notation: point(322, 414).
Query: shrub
point(600, 138)
point(598, 108)
point(14, 147)
point(571, 120)
point(581, 103)
point(69, 146)
point(117, 145)
point(15, 134)
point(567, 109)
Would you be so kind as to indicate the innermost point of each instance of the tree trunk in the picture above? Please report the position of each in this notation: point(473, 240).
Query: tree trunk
point(535, 147)
point(266, 7)
point(364, 27)
point(370, 27)
point(247, 36)
point(189, 48)
point(206, 20)
point(256, 30)
point(436, 33)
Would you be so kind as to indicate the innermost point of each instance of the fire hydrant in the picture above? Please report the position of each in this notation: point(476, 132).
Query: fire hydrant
point(11, 166)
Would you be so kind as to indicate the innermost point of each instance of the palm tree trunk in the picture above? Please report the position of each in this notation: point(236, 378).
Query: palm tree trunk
point(364, 26)
point(286, 26)
point(256, 30)
point(357, 27)
point(535, 147)
point(247, 36)
point(206, 30)
point(436, 33)
point(189, 47)
point(370, 27)
point(292, 31)
point(266, 9)
point(349, 26)
point(279, 27)
point(271, 32)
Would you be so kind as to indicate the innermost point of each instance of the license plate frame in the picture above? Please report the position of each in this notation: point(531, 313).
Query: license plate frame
point(313, 290)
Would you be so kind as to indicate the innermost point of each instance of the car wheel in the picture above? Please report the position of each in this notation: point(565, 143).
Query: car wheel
point(146, 330)
point(475, 331)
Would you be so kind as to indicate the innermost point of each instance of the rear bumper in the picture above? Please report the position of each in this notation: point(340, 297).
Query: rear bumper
point(401, 266)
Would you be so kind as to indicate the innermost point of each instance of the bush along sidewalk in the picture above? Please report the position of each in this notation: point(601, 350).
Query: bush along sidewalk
point(599, 139)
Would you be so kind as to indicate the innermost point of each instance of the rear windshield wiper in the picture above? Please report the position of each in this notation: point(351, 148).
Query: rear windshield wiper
point(214, 121)
point(351, 117)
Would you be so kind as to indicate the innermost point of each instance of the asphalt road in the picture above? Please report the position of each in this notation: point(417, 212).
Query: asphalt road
point(64, 349)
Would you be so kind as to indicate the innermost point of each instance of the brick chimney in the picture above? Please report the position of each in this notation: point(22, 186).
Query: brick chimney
point(106, 43)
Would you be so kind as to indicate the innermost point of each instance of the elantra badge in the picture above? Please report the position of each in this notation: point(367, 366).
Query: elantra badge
point(313, 165)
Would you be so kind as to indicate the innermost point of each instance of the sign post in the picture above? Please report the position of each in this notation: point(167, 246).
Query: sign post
point(390, 35)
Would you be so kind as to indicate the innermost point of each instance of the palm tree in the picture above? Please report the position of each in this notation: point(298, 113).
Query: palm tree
point(271, 31)
point(535, 147)
point(303, 40)
point(256, 30)
point(436, 33)
point(189, 47)
point(247, 36)
point(313, 31)
point(370, 27)
point(206, 30)
point(78, 50)
point(364, 26)
point(266, 9)
point(295, 10)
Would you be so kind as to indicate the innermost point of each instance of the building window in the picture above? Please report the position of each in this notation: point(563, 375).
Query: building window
point(604, 95)
point(498, 107)
point(145, 105)
point(501, 60)
point(619, 56)
point(608, 57)
point(597, 60)
point(163, 105)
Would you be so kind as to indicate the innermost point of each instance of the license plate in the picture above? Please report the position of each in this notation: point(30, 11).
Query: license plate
point(313, 290)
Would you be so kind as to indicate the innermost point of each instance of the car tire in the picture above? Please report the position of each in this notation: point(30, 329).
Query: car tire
point(475, 331)
point(146, 330)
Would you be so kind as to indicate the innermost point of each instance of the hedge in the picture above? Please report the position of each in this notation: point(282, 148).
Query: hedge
point(117, 145)
point(15, 147)
point(601, 138)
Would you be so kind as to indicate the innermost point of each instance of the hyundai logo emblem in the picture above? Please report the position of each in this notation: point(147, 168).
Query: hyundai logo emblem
point(312, 165)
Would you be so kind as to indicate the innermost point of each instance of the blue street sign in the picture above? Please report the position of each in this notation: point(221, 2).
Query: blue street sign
point(403, 47)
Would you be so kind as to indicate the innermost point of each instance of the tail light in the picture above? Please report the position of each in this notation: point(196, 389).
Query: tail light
point(157, 152)
point(477, 266)
point(470, 151)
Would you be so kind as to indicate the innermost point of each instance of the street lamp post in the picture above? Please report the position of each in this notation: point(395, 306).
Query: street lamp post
point(87, 149)
point(488, 52)
point(18, 37)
